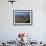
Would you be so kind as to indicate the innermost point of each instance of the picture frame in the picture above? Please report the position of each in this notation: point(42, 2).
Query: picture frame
point(22, 17)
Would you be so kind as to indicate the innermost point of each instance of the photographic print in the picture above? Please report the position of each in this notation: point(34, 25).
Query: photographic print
point(22, 16)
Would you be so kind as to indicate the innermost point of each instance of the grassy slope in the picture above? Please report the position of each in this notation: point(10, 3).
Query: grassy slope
point(21, 19)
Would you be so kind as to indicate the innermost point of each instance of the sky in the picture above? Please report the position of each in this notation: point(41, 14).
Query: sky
point(22, 13)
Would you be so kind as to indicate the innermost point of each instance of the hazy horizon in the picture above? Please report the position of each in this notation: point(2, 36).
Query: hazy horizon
point(22, 13)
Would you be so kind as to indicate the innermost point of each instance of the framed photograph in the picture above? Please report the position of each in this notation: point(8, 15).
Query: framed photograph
point(22, 17)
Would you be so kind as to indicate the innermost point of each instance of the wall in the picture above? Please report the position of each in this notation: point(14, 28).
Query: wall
point(37, 31)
